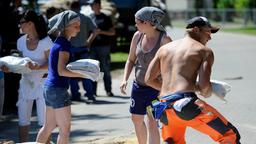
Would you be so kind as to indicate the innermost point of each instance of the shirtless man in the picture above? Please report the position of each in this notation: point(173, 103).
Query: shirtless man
point(180, 63)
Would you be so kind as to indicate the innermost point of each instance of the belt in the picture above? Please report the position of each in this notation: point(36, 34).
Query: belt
point(160, 107)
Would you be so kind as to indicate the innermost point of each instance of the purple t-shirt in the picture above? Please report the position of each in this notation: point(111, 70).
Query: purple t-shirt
point(53, 78)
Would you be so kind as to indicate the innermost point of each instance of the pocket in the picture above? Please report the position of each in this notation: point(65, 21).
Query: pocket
point(189, 111)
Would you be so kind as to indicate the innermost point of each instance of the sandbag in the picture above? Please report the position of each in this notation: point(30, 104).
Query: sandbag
point(220, 89)
point(89, 68)
point(16, 64)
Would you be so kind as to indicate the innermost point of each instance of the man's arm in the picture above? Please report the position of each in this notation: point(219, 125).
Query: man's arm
point(90, 39)
point(153, 71)
point(204, 86)
point(92, 31)
point(110, 32)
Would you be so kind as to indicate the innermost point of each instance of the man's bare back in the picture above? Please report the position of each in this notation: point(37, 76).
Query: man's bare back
point(180, 63)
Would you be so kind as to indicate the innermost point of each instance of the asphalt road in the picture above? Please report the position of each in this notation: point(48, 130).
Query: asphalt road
point(109, 118)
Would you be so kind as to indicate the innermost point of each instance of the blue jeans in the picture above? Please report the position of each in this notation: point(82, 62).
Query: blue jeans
point(81, 53)
point(102, 54)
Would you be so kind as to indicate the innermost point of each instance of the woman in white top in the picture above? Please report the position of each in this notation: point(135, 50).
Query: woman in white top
point(34, 44)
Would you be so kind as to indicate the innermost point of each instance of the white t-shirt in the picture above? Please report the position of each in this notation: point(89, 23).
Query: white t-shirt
point(31, 83)
point(37, 54)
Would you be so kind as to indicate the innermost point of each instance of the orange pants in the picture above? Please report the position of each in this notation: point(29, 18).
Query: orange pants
point(209, 122)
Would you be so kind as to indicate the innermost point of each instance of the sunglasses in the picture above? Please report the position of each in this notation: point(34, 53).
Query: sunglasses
point(23, 21)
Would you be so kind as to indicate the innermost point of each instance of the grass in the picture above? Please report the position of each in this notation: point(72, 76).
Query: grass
point(118, 60)
point(249, 30)
point(235, 27)
point(119, 57)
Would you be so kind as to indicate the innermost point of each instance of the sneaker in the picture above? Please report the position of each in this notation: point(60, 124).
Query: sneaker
point(91, 101)
point(76, 99)
point(110, 94)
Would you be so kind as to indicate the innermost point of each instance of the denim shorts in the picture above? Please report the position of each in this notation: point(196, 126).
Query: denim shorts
point(56, 97)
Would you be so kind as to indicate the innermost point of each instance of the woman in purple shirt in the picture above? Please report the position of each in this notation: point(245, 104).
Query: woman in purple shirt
point(57, 99)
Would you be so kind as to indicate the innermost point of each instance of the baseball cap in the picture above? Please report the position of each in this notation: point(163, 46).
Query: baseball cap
point(200, 21)
point(93, 1)
point(151, 14)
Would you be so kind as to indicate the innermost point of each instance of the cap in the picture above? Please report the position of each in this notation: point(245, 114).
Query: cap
point(200, 21)
point(151, 14)
point(93, 1)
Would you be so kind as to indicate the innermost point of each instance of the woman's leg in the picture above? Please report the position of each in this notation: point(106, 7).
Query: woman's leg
point(40, 108)
point(153, 131)
point(63, 119)
point(24, 114)
point(140, 128)
point(49, 125)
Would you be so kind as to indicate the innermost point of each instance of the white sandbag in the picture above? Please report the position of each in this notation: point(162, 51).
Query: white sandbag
point(89, 68)
point(16, 64)
point(220, 89)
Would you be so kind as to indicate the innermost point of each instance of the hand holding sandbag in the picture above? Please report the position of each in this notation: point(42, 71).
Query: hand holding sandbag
point(220, 89)
point(14, 64)
point(89, 68)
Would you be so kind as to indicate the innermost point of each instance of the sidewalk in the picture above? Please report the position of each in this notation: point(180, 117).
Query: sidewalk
point(105, 122)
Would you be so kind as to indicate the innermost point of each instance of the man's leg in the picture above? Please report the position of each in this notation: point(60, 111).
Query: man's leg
point(74, 88)
point(88, 86)
point(174, 131)
point(212, 123)
point(87, 83)
point(105, 67)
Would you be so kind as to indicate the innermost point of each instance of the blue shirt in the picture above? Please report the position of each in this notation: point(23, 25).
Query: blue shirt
point(53, 78)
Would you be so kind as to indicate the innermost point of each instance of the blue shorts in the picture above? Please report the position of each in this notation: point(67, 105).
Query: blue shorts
point(56, 97)
point(141, 97)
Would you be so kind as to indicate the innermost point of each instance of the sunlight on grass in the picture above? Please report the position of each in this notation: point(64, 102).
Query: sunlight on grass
point(249, 30)
point(119, 57)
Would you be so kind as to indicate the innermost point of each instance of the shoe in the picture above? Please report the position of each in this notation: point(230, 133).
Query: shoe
point(110, 94)
point(91, 101)
point(76, 99)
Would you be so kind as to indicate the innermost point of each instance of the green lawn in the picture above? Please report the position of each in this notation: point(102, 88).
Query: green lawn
point(119, 57)
point(118, 60)
point(249, 30)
